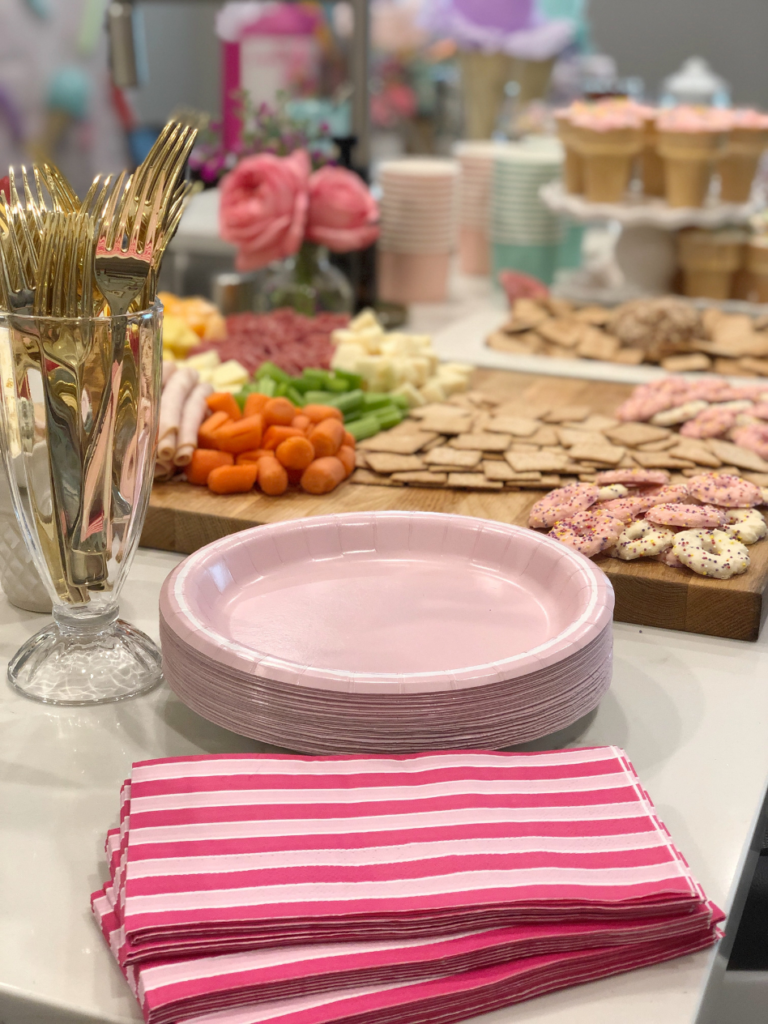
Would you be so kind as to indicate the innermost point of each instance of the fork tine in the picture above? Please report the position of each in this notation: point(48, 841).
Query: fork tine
point(101, 199)
point(107, 224)
point(33, 205)
point(133, 242)
point(5, 283)
point(86, 286)
point(90, 194)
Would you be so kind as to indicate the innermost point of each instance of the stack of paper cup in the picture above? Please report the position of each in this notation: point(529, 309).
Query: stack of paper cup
point(525, 234)
point(476, 162)
point(418, 229)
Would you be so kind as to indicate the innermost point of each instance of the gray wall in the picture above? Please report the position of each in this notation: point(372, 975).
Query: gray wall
point(183, 59)
point(651, 38)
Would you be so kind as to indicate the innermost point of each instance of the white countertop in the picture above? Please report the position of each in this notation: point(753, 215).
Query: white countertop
point(690, 711)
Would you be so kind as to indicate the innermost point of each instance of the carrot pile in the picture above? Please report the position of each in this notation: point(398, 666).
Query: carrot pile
point(270, 443)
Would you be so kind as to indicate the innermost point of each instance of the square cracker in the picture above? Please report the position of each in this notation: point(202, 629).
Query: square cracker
point(606, 454)
point(473, 481)
point(447, 424)
point(365, 476)
point(569, 437)
point(483, 442)
point(577, 413)
point(445, 456)
point(422, 478)
point(385, 462)
point(564, 332)
point(695, 450)
point(634, 434)
point(735, 455)
point(661, 460)
point(399, 444)
point(544, 437)
point(541, 462)
point(517, 426)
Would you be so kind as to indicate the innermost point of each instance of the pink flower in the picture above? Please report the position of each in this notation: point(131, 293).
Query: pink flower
point(343, 214)
point(263, 207)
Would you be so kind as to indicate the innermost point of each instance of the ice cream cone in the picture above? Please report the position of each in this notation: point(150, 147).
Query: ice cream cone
point(688, 161)
point(651, 164)
point(483, 78)
point(738, 165)
point(607, 157)
point(757, 265)
point(710, 260)
point(573, 167)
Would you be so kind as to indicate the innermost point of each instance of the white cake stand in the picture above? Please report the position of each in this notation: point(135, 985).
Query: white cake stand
point(646, 250)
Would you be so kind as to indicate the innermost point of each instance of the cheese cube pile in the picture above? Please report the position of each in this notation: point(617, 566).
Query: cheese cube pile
point(227, 376)
point(398, 363)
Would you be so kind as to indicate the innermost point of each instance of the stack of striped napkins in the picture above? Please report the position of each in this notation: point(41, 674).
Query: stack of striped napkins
point(375, 890)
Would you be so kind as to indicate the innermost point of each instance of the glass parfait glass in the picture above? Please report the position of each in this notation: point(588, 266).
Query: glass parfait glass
point(80, 403)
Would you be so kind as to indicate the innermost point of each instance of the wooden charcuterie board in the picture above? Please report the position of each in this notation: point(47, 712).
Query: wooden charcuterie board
point(183, 518)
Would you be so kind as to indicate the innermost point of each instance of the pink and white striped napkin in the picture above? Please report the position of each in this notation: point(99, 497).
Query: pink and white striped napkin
point(426, 884)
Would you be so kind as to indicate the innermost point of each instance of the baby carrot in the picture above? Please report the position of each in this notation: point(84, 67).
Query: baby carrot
point(295, 453)
point(326, 437)
point(252, 456)
point(349, 440)
point(254, 403)
point(294, 475)
point(223, 401)
point(272, 476)
point(276, 435)
point(322, 475)
point(243, 436)
point(318, 413)
point(279, 411)
point(233, 479)
point(205, 435)
point(204, 460)
point(301, 422)
point(346, 457)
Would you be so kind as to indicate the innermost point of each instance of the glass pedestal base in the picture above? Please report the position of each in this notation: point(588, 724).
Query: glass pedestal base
point(109, 662)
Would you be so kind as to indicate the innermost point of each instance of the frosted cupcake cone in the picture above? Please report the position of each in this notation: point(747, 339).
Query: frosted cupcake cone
point(608, 136)
point(747, 142)
point(690, 139)
point(710, 260)
point(651, 164)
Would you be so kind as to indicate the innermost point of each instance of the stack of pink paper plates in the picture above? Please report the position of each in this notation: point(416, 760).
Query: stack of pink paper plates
point(388, 632)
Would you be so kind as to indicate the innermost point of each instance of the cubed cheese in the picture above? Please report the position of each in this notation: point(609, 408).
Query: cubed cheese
point(433, 391)
point(204, 361)
point(415, 398)
point(421, 369)
point(452, 383)
point(230, 375)
point(365, 318)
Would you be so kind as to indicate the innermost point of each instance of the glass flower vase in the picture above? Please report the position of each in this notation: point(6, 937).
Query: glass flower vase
point(80, 403)
point(307, 283)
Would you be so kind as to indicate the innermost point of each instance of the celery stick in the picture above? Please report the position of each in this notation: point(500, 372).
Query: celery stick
point(365, 426)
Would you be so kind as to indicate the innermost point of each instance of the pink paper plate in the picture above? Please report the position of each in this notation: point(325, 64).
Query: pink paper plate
point(389, 602)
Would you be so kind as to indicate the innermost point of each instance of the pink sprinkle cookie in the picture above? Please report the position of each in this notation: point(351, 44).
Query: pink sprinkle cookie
point(644, 539)
point(725, 489)
point(691, 516)
point(632, 477)
point(643, 407)
point(714, 421)
point(588, 532)
point(627, 509)
point(669, 558)
point(668, 493)
point(760, 411)
point(562, 503)
point(711, 553)
point(753, 437)
point(679, 413)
